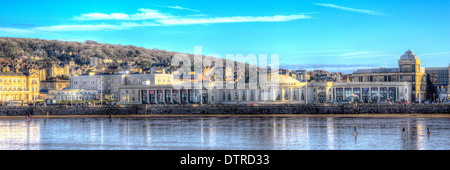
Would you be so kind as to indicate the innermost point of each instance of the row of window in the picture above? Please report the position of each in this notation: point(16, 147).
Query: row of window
point(12, 80)
point(13, 88)
point(402, 70)
point(94, 81)
point(386, 78)
point(72, 93)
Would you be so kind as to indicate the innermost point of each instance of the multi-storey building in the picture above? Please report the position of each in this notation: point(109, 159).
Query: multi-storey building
point(111, 82)
point(437, 83)
point(18, 87)
point(54, 84)
point(409, 70)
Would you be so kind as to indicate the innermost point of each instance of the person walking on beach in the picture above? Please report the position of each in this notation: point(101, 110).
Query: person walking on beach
point(403, 132)
point(355, 133)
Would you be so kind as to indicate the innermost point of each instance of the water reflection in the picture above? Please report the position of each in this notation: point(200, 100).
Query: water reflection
point(19, 134)
point(188, 132)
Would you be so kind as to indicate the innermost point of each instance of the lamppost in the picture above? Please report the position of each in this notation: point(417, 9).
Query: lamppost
point(101, 90)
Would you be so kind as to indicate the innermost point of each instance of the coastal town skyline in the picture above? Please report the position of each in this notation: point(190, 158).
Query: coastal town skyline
point(320, 35)
point(236, 75)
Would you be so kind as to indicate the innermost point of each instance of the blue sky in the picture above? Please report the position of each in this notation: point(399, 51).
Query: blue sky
point(331, 35)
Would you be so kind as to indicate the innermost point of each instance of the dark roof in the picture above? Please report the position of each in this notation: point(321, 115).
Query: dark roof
point(10, 73)
point(376, 70)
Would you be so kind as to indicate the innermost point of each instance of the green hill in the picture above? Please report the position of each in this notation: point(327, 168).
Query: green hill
point(11, 48)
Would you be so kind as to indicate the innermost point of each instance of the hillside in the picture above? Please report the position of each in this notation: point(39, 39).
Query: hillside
point(11, 48)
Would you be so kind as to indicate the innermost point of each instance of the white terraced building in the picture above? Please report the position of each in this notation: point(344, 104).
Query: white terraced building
point(287, 90)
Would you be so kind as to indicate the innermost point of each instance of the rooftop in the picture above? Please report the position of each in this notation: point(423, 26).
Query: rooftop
point(376, 70)
point(11, 73)
point(409, 55)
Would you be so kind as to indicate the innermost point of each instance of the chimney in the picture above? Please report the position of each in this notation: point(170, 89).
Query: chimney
point(17, 70)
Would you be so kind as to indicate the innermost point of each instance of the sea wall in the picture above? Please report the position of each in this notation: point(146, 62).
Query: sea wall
point(230, 109)
point(300, 109)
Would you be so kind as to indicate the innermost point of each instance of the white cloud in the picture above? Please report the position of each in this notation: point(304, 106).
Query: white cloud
point(147, 17)
point(56, 28)
point(144, 14)
point(364, 11)
point(97, 27)
point(435, 53)
point(275, 18)
point(15, 31)
point(182, 8)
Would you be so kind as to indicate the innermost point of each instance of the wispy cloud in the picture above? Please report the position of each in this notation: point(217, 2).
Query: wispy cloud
point(15, 31)
point(344, 68)
point(145, 18)
point(143, 14)
point(211, 20)
point(435, 54)
point(182, 8)
point(364, 11)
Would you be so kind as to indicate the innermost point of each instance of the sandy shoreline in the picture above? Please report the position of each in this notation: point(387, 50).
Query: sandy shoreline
point(244, 115)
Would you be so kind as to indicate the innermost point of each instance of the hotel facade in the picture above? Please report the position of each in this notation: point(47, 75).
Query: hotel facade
point(17, 88)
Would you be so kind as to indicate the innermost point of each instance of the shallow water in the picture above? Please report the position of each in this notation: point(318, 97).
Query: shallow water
point(224, 133)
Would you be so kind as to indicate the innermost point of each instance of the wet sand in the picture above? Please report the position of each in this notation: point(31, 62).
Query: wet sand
point(243, 115)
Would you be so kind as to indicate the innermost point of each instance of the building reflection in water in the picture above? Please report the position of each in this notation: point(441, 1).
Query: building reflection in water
point(330, 132)
point(234, 132)
point(17, 134)
point(421, 127)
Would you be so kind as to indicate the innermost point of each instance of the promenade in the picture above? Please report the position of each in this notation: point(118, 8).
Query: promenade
point(229, 109)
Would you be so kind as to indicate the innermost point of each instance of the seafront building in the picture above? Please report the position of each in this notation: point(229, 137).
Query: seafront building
point(287, 90)
point(409, 82)
point(409, 70)
point(17, 88)
point(108, 84)
point(437, 83)
point(73, 94)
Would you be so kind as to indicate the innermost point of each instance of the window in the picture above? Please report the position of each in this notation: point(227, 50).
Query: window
point(370, 78)
point(401, 78)
point(413, 68)
point(401, 68)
